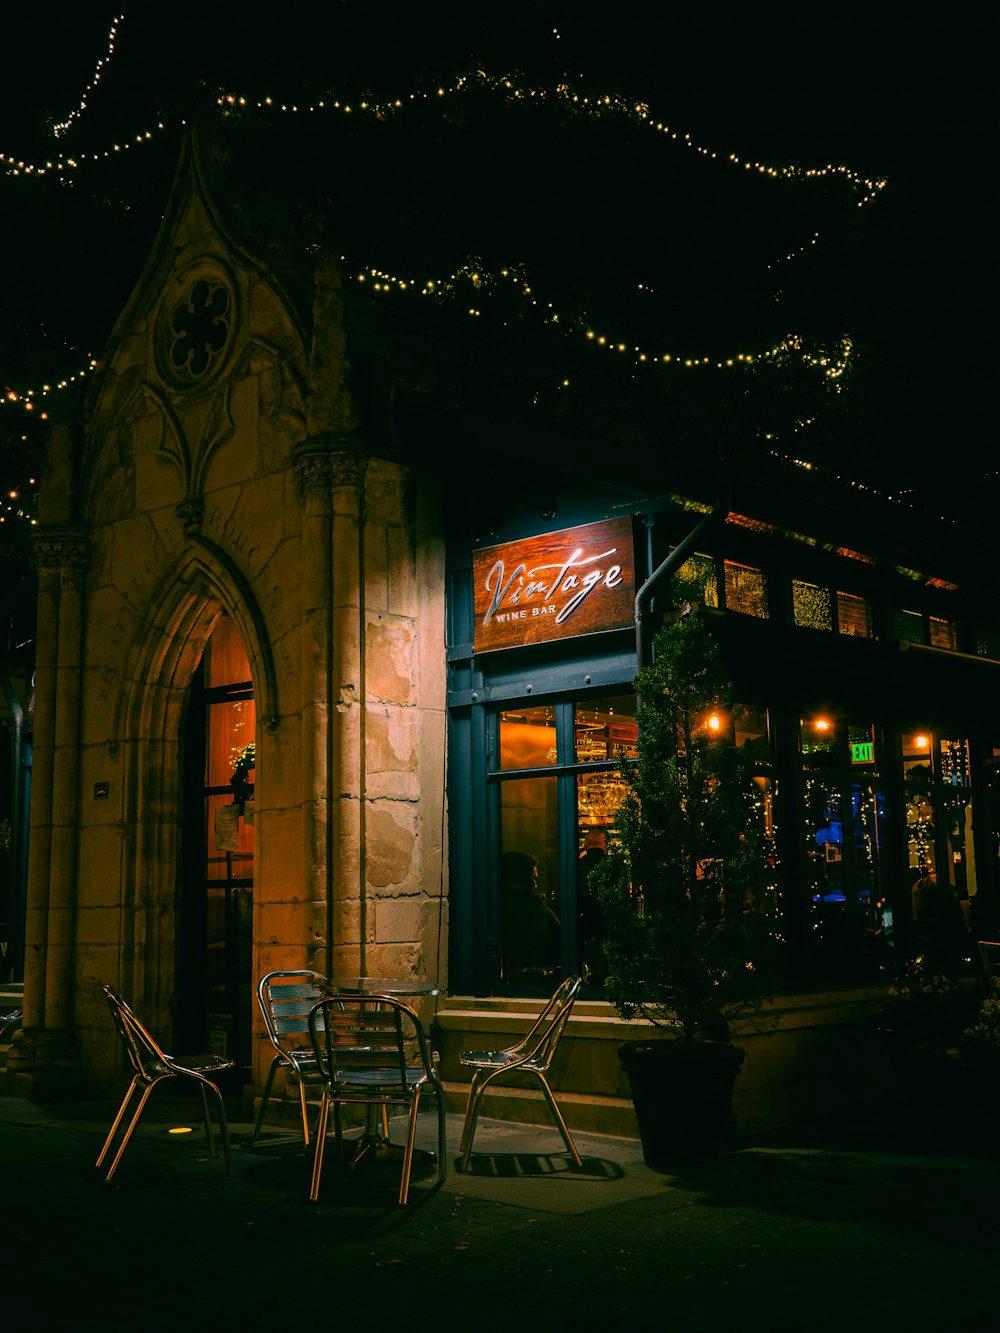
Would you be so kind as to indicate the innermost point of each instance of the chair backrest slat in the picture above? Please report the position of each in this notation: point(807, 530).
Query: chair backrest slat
point(286, 999)
point(540, 1043)
point(144, 1053)
point(354, 1034)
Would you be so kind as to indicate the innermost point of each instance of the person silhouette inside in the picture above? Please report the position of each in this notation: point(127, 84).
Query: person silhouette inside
point(529, 926)
point(940, 934)
point(589, 914)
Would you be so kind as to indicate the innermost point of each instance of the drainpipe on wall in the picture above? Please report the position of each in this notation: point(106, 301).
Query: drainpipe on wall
point(674, 560)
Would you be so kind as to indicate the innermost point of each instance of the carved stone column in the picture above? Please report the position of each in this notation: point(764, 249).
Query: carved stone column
point(47, 1039)
point(331, 461)
point(314, 468)
point(349, 922)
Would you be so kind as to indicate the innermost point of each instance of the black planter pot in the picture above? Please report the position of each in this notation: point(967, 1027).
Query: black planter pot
point(683, 1097)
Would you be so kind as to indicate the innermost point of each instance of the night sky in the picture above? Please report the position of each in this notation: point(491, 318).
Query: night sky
point(622, 229)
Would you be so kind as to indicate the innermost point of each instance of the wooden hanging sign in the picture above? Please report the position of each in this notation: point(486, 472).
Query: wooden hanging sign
point(554, 586)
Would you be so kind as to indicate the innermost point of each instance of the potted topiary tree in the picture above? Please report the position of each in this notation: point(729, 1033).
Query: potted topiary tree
point(688, 945)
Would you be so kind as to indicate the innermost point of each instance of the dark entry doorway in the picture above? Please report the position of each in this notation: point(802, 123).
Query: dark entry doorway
point(215, 911)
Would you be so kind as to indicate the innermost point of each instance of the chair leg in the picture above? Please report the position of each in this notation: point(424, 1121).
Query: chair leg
point(223, 1125)
point(557, 1115)
point(442, 1136)
point(338, 1134)
point(324, 1112)
point(467, 1122)
point(129, 1131)
point(259, 1119)
point(411, 1134)
point(472, 1115)
point(305, 1110)
point(209, 1137)
point(117, 1120)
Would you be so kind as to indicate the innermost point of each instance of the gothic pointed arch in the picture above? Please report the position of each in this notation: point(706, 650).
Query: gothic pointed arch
point(184, 610)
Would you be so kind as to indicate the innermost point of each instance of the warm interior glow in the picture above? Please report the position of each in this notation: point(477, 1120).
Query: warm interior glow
point(821, 724)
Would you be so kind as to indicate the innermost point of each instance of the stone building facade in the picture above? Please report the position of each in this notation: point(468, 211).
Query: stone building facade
point(222, 477)
point(264, 479)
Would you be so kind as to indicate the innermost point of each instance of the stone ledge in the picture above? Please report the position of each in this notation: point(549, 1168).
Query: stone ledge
point(604, 1026)
point(583, 1112)
point(596, 1018)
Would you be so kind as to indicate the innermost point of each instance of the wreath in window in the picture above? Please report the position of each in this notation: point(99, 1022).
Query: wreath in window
point(240, 780)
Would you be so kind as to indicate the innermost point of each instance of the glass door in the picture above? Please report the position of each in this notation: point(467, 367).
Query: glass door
point(216, 909)
point(556, 788)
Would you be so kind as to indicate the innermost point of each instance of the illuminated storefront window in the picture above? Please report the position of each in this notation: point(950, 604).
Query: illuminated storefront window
point(943, 633)
point(850, 923)
point(857, 804)
point(915, 627)
point(746, 590)
point(529, 879)
point(528, 738)
point(815, 607)
point(940, 850)
point(812, 606)
point(554, 824)
point(697, 581)
point(854, 615)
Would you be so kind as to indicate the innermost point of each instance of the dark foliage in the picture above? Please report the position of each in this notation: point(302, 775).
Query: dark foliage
point(687, 942)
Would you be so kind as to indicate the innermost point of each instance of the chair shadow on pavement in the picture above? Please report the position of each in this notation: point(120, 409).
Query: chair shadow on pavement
point(508, 1165)
point(344, 1193)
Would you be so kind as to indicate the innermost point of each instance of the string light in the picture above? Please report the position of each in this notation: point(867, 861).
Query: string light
point(66, 166)
point(832, 364)
point(832, 367)
point(64, 125)
point(27, 399)
point(503, 85)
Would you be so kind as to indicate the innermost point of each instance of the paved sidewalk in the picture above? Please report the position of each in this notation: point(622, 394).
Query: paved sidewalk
point(780, 1238)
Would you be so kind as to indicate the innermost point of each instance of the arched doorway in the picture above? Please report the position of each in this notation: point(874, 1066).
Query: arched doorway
point(215, 906)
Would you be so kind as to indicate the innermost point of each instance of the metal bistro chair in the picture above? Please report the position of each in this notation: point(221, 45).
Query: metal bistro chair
point(152, 1065)
point(285, 1001)
point(533, 1054)
point(371, 1051)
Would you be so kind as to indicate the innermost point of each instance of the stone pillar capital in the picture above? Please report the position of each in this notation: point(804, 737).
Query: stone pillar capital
point(61, 547)
point(327, 463)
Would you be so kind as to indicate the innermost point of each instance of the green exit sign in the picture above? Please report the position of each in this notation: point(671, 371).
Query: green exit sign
point(862, 752)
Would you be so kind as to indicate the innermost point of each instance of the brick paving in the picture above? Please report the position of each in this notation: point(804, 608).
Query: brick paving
point(776, 1238)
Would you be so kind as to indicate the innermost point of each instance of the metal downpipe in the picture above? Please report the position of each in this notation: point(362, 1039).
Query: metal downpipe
point(676, 558)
